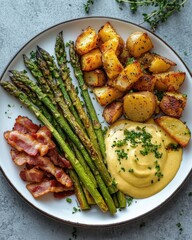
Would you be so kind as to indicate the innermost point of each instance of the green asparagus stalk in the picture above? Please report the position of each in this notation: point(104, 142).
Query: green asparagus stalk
point(88, 196)
point(68, 152)
point(115, 200)
point(65, 74)
point(93, 115)
point(84, 164)
point(79, 191)
point(121, 199)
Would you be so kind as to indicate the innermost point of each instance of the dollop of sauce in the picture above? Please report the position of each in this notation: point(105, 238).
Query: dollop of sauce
point(140, 157)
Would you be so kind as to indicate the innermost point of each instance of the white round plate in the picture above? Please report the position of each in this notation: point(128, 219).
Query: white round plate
point(10, 108)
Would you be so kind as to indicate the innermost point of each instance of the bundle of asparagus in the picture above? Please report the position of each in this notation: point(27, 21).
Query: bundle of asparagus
point(78, 133)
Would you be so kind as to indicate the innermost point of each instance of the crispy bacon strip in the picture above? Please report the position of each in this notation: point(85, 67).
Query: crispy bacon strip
point(43, 135)
point(32, 175)
point(25, 142)
point(58, 160)
point(63, 194)
point(44, 163)
point(19, 158)
point(40, 189)
point(25, 125)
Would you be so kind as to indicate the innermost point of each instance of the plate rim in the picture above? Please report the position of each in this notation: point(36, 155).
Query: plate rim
point(83, 224)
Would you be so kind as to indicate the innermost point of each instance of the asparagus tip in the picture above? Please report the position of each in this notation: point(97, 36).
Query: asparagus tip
point(11, 71)
point(39, 48)
point(38, 54)
point(25, 57)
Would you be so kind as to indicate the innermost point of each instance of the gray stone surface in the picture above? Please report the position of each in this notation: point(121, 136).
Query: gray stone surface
point(20, 20)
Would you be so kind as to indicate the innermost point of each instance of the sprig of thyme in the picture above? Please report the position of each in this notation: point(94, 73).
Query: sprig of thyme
point(162, 9)
point(87, 5)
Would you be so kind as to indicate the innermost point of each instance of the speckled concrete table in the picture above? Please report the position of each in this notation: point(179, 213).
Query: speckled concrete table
point(20, 20)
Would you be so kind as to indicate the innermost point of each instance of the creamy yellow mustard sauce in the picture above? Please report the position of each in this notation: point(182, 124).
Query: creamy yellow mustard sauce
point(139, 158)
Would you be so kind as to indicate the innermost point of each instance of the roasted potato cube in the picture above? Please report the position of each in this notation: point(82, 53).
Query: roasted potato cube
point(107, 32)
point(114, 44)
point(173, 104)
point(145, 83)
point(139, 106)
point(130, 74)
point(91, 60)
point(175, 128)
point(169, 81)
point(106, 94)
point(86, 41)
point(111, 64)
point(113, 111)
point(156, 63)
point(95, 78)
point(138, 43)
point(160, 64)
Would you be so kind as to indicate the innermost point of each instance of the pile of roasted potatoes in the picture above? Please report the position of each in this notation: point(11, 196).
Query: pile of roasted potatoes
point(128, 79)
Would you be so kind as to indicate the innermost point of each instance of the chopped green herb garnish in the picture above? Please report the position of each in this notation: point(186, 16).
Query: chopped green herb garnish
point(75, 210)
point(69, 200)
point(67, 44)
point(179, 227)
point(32, 55)
point(121, 154)
point(173, 146)
point(158, 172)
point(119, 143)
point(129, 201)
point(130, 60)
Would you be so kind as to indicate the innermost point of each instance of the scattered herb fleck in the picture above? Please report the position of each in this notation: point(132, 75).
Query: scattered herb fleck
point(74, 233)
point(32, 55)
point(67, 44)
point(75, 210)
point(173, 146)
point(158, 172)
point(179, 227)
point(130, 60)
point(69, 200)
point(105, 130)
point(121, 154)
point(129, 201)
